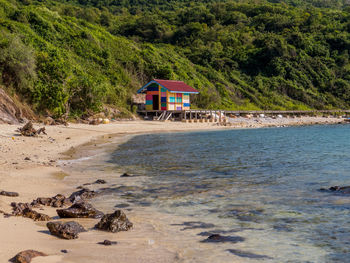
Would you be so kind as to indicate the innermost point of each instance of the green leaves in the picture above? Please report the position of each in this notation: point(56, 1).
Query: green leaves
point(73, 56)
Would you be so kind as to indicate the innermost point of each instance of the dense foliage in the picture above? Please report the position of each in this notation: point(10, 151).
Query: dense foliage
point(72, 56)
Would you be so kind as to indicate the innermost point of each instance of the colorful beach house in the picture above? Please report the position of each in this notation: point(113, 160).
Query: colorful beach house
point(167, 95)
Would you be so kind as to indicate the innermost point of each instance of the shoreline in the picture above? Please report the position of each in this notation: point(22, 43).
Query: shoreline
point(41, 176)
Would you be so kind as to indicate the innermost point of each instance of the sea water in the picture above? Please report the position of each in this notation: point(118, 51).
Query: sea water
point(257, 187)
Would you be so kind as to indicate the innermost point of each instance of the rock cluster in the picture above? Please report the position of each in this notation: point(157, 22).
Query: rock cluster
point(56, 201)
point(114, 222)
point(69, 230)
point(25, 210)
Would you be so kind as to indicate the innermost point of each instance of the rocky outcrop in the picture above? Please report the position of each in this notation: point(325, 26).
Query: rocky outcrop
point(10, 112)
point(80, 210)
point(114, 222)
point(56, 201)
point(26, 256)
point(25, 210)
point(10, 194)
point(69, 230)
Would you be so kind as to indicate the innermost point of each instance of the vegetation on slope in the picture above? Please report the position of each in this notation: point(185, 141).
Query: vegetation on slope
point(73, 56)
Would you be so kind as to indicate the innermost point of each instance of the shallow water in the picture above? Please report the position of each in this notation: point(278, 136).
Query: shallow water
point(257, 187)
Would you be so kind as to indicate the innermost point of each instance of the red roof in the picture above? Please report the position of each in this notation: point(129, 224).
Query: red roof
point(176, 86)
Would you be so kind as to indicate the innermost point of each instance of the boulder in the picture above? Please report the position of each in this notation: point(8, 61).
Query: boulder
point(114, 222)
point(10, 194)
point(26, 256)
point(69, 230)
point(82, 195)
point(80, 210)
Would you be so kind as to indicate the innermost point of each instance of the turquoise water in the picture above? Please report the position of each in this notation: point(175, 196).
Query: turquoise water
point(257, 187)
point(261, 184)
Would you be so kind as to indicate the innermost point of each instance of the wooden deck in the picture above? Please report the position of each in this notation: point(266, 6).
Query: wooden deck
point(219, 115)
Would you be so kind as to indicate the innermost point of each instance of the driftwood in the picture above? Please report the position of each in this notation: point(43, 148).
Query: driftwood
point(28, 130)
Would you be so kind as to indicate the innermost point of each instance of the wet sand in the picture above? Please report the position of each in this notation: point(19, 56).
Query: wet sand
point(42, 176)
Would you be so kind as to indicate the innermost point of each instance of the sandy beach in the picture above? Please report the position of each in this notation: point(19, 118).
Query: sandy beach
point(42, 176)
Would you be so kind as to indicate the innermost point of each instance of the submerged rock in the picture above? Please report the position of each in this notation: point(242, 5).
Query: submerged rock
point(80, 210)
point(10, 194)
point(56, 201)
point(26, 256)
point(114, 222)
point(98, 181)
point(69, 230)
point(82, 194)
point(25, 210)
point(107, 243)
point(245, 254)
point(194, 225)
point(216, 238)
point(338, 189)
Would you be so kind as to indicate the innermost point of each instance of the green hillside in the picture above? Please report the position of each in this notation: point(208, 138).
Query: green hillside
point(74, 56)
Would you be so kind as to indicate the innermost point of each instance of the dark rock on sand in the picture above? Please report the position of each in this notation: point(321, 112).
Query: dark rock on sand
point(82, 194)
point(65, 251)
point(26, 256)
point(245, 254)
point(56, 201)
point(114, 222)
point(10, 194)
point(80, 210)
point(69, 230)
point(107, 243)
point(25, 210)
point(338, 189)
point(100, 181)
point(216, 238)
